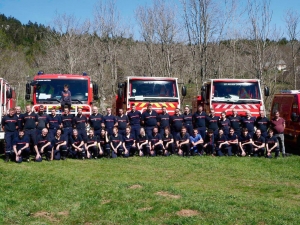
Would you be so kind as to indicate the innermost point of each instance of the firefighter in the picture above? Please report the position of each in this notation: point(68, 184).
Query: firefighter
point(155, 143)
point(91, 145)
point(80, 123)
point(196, 143)
point(122, 121)
point(222, 144)
point(134, 118)
point(224, 124)
point(258, 144)
point(103, 144)
point(129, 143)
point(19, 115)
point(233, 141)
point(10, 127)
point(235, 122)
point(143, 143)
point(77, 146)
point(212, 122)
point(245, 143)
point(53, 122)
point(59, 143)
point(66, 99)
point(262, 123)
point(43, 146)
point(209, 143)
point(199, 121)
point(116, 144)
point(21, 147)
point(278, 126)
point(183, 143)
point(168, 142)
point(109, 121)
point(149, 119)
point(188, 120)
point(272, 145)
point(95, 121)
point(163, 120)
point(29, 121)
point(176, 122)
point(42, 120)
point(248, 122)
point(67, 123)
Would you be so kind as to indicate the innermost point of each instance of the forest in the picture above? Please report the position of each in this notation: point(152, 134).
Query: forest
point(195, 41)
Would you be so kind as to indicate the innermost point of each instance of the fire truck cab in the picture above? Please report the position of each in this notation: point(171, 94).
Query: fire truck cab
point(159, 91)
point(224, 95)
point(287, 103)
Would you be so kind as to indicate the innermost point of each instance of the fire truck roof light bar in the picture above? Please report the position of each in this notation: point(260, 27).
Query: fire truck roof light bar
point(290, 91)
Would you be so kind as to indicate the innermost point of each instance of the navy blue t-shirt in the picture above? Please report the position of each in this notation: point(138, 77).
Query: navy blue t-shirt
point(187, 119)
point(20, 142)
point(91, 140)
point(128, 140)
point(29, 120)
point(212, 122)
point(102, 140)
point(199, 119)
point(235, 122)
point(271, 141)
point(142, 139)
point(248, 123)
point(59, 141)
point(262, 123)
point(244, 139)
point(10, 123)
point(225, 125)
point(209, 139)
point(182, 138)
point(53, 122)
point(150, 119)
point(95, 121)
point(134, 118)
point(109, 121)
point(176, 122)
point(80, 122)
point(122, 122)
point(67, 120)
point(164, 120)
point(42, 140)
point(167, 139)
point(258, 140)
point(220, 139)
point(115, 140)
point(42, 120)
point(76, 140)
point(154, 139)
point(232, 137)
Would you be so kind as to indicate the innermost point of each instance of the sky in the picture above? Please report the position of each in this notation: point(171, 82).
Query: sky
point(44, 11)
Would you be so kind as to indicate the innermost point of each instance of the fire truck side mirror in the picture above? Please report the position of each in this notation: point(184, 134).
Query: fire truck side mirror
point(203, 96)
point(28, 89)
point(120, 93)
point(294, 117)
point(27, 97)
point(120, 85)
point(183, 91)
point(266, 91)
point(9, 93)
point(95, 91)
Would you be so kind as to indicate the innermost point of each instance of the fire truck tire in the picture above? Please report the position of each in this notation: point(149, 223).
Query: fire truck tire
point(2, 146)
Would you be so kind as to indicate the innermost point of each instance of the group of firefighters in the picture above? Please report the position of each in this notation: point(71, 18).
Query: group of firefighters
point(145, 134)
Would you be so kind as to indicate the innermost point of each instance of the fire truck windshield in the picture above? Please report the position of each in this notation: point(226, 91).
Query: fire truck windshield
point(236, 92)
point(50, 90)
point(142, 89)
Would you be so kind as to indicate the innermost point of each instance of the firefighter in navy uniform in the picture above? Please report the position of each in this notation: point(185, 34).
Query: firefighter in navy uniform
point(10, 127)
point(43, 146)
point(129, 142)
point(258, 144)
point(168, 142)
point(155, 143)
point(176, 122)
point(248, 122)
point(199, 121)
point(235, 122)
point(95, 121)
point(103, 144)
point(53, 122)
point(122, 121)
point(183, 143)
point(272, 145)
point(209, 143)
point(59, 143)
point(262, 123)
point(212, 122)
point(77, 146)
point(222, 144)
point(143, 143)
point(224, 124)
point(149, 119)
point(67, 123)
point(91, 145)
point(134, 118)
point(188, 120)
point(233, 141)
point(19, 115)
point(42, 120)
point(21, 147)
point(109, 121)
point(245, 143)
point(30, 120)
point(163, 120)
point(116, 144)
point(80, 122)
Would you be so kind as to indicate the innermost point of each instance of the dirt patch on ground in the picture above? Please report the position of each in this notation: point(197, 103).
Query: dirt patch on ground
point(187, 212)
point(105, 201)
point(64, 213)
point(46, 215)
point(135, 186)
point(168, 195)
point(145, 209)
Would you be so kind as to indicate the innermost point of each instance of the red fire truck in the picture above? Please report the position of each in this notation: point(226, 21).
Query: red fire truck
point(223, 95)
point(159, 91)
point(7, 101)
point(47, 90)
point(287, 103)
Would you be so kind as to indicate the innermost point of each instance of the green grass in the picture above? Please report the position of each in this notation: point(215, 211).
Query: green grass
point(220, 190)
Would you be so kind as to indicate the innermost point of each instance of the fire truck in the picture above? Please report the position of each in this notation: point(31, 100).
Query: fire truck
point(224, 95)
point(287, 103)
point(140, 91)
point(7, 101)
point(47, 90)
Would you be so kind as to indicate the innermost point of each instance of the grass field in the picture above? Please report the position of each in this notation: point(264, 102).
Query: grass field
point(173, 190)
